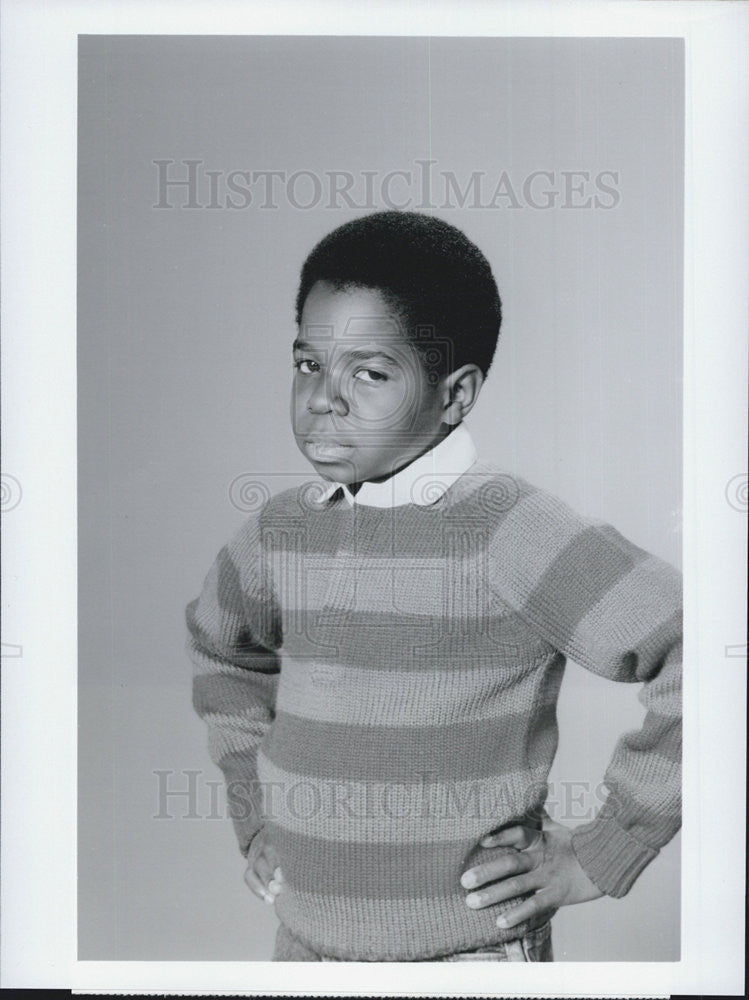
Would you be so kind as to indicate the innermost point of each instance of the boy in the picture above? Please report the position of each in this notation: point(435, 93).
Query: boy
point(379, 663)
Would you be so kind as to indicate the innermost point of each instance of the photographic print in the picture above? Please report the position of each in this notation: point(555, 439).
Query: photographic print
point(386, 672)
point(373, 498)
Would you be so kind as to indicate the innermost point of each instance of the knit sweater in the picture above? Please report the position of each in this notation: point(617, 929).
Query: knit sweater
point(380, 690)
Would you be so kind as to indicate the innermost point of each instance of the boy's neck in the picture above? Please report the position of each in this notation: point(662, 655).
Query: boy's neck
point(420, 482)
point(441, 435)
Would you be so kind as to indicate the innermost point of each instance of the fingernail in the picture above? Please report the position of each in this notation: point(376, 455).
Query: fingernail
point(474, 899)
point(468, 881)
point(273, 885)
point(487, 841)
point(269, 897)
point(278, 875)
point(501, 921)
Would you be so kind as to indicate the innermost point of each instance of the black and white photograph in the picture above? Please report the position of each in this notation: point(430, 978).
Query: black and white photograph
point(405, 616)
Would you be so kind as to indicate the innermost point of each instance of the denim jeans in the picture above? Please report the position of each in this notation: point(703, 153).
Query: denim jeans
point(533, 947)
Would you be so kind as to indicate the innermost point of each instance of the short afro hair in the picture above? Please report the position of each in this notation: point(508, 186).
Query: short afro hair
point(433, 277)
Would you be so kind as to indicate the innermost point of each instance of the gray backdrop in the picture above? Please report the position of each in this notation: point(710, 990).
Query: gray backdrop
point(184, 364)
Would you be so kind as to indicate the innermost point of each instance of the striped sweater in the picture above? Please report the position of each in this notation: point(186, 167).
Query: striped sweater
point(380, 691)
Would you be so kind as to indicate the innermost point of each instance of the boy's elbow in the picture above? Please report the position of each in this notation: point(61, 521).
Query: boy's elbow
point(190, 611)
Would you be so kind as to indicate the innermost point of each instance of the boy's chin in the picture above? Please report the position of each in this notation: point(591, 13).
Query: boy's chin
point(330, 467)
point(335, 472)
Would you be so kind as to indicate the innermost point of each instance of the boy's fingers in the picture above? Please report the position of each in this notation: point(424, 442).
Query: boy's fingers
point(514, 836)
point(527, 910)
point(272, 855)
point(269, 871)
point(275, 874)
point(504, 890)
point(514, 863)
point(264, 868)
point(263, 874)
point(256, 886)
point(257, 846)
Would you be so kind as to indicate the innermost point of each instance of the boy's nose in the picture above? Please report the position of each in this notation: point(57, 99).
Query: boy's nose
point(326, 399)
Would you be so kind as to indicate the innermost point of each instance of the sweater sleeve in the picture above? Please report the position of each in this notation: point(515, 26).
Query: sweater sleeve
point(616, 610)
point(234, 631)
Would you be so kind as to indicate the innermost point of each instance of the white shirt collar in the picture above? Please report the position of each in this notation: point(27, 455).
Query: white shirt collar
point(422, 482)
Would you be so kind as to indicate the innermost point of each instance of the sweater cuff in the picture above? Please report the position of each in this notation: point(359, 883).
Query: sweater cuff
point(610, 857)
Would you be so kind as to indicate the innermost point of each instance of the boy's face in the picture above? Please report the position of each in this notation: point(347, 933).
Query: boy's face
point(362, 403)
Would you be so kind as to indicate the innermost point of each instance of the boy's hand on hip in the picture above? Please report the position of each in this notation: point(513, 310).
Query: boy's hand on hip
point(263, 874)
point(538, 861)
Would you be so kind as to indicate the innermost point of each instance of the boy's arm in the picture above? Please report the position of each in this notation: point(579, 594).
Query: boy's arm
point(233, 633)
point(616, 610)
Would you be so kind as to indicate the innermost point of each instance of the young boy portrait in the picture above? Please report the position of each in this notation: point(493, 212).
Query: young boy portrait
point(379, 653)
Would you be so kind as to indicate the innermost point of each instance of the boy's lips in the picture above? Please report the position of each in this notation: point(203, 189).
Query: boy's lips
point(325, 450)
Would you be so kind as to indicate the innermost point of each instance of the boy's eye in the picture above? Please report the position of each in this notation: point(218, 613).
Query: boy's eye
point(306, 366)
point(370, 375)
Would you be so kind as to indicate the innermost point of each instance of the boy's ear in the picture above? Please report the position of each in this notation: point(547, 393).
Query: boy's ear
point(462, 388)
